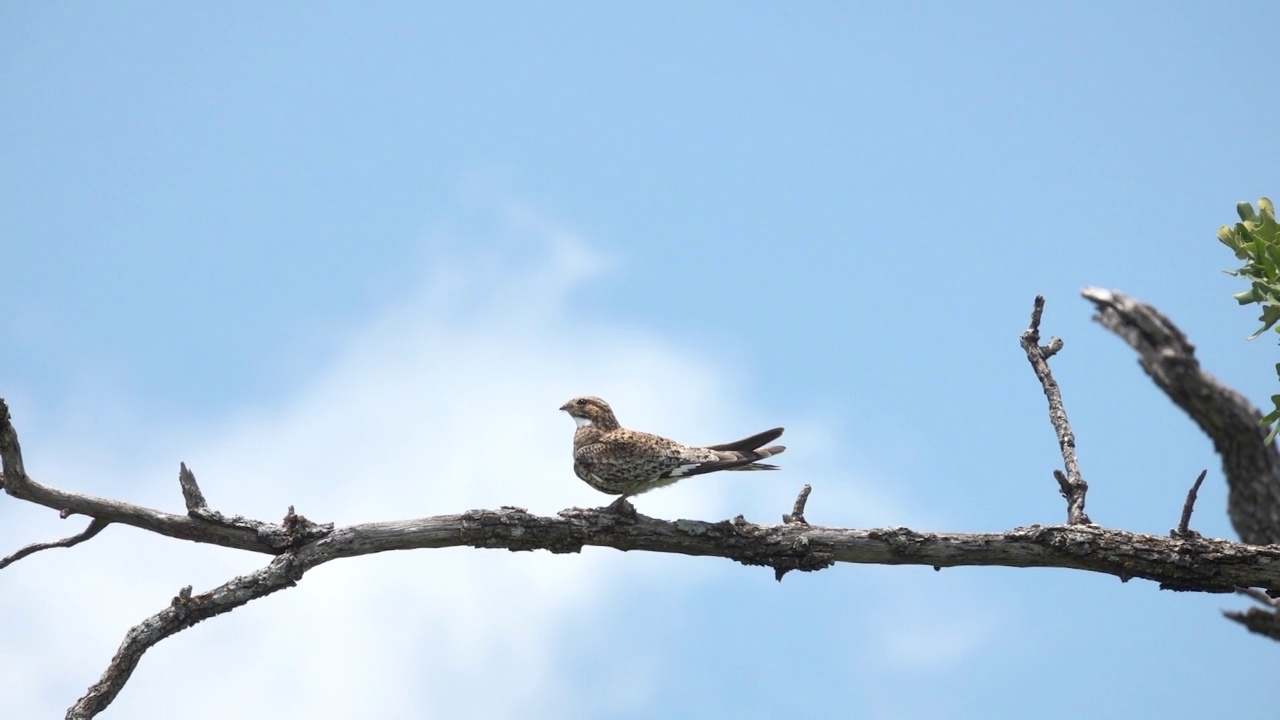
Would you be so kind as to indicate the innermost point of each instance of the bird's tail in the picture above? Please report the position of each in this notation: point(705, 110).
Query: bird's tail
point(747, 460)
point(747, 445)
point(743, 454)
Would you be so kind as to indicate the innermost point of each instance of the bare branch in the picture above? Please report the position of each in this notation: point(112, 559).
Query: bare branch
point(1188, 507)
point(1258, 596)
point(260, 539)
point(1201, 564)
point(184, 611)
point(1194, 564)
point(1191, 563)
point(1072, 485)
point(1264, 621)
point(796, 516)
point(202, 525)
point(191, 494)
point(95, 526)
point(1250, 464)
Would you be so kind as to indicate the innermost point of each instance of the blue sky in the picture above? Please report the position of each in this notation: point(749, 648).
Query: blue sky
point(351, 257)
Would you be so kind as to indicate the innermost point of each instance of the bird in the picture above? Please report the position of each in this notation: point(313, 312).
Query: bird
point(618, 461)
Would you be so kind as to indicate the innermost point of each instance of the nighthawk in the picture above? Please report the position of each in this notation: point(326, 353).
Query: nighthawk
point(617, 461)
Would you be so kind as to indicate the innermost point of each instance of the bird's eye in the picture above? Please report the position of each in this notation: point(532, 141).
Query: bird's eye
point(580, 402)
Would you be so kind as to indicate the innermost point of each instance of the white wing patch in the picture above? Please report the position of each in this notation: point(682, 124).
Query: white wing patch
point(680, 470)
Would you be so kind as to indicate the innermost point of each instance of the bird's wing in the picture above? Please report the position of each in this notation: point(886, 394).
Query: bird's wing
point(672, 460)
point(697, 462)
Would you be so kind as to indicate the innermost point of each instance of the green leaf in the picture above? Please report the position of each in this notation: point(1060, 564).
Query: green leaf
point(1227, 237)
point(1273, 416)
point(1270, 316)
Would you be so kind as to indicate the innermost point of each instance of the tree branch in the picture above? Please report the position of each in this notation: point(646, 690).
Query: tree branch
point(796, 516)
point(1196, 564)
point(183, 612)
point(95, 526)
point(1072, 484)
point(191, 494)
point(1183, 530)
point(1202, 564)
point(1263, 621)
point(1183, 562)
point(199, 525)
point(1250, 464)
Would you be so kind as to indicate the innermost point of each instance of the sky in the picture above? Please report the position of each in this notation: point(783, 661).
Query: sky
point(351, 257)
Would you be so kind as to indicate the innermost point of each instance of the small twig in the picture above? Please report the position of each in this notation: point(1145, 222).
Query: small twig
point(1037, 310)
point(1188, 507)
point(301, 531)
point(191, 491)
point(1064, 485)
point(1072, 485)
point(796, 516)
point(95, 526)
point(1048, 351)
point(1265, 622)
point(1259, 596)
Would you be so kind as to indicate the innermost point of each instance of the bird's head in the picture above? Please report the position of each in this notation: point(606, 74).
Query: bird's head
point(590, 411)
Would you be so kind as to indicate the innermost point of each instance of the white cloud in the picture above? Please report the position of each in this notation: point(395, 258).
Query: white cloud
point(444, 403)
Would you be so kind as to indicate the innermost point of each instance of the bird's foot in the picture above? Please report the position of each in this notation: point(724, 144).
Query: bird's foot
point(623, 507)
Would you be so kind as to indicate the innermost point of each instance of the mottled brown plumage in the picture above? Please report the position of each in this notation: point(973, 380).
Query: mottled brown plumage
point(617, 461)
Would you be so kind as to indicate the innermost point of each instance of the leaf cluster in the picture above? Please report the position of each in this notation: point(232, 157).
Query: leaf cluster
point(1256, 241)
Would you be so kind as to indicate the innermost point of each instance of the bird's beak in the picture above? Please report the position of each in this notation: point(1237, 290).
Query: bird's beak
point(565, 407)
